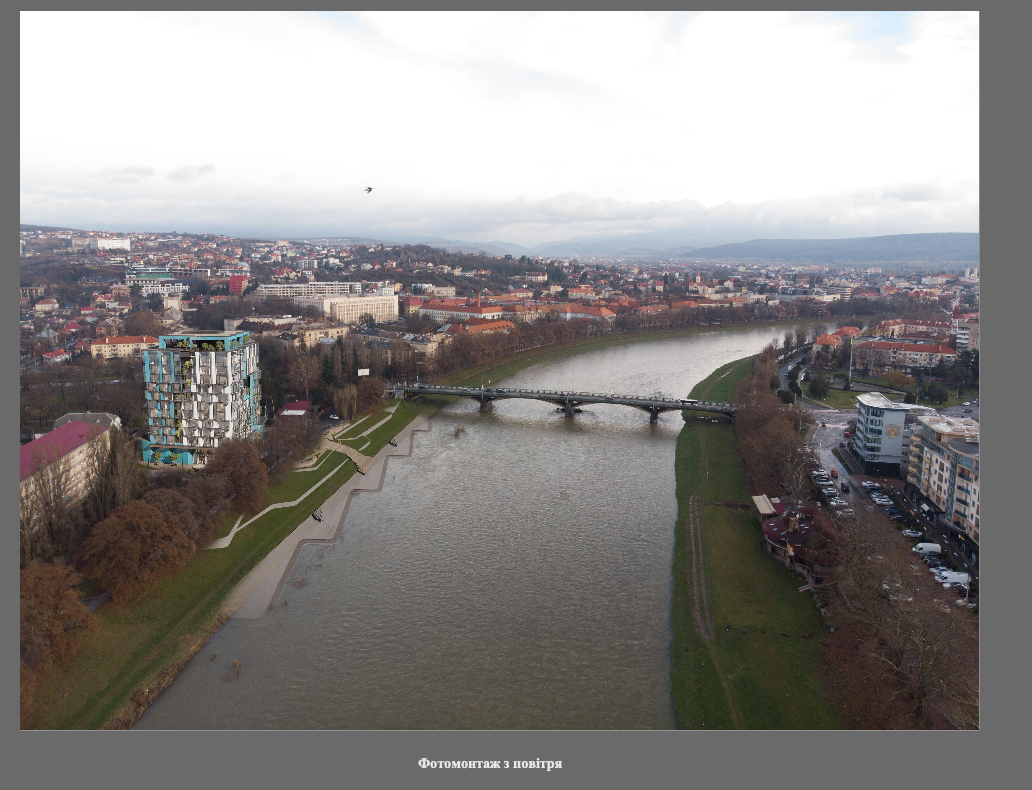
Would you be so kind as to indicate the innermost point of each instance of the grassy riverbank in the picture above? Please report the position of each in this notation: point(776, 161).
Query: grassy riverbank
point(137, 649)
point(502, 368)
point(756, 679)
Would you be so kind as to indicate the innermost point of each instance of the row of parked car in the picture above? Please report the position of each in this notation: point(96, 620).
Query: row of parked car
point(823, 481)
point(879, 497)
point(931, 555)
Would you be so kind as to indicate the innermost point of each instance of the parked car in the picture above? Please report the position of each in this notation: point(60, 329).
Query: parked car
point(967, 411)
point(845, 487)
point(841, 444)
point(334, 417)
point(845, 433)
point(834, 472)
point(967, 403)
point(911, 533)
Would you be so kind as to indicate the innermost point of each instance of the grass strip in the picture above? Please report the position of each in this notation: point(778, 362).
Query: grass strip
point(759, 679)
point(140, 645)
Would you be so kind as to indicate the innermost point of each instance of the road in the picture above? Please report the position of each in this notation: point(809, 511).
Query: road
point(824, 439)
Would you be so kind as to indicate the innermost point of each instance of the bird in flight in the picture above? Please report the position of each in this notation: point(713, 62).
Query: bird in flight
point(368, 189)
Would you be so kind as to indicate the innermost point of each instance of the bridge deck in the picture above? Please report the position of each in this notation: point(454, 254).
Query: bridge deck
point(568, 399)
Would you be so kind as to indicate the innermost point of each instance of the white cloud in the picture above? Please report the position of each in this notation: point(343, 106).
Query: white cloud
point(459, 110)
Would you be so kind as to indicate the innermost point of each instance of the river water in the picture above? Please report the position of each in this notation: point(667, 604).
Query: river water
point(513, 576)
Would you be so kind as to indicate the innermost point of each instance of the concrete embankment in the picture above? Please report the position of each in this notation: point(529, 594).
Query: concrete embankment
point(256, 594)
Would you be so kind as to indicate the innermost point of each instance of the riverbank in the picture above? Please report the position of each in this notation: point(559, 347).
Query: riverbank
point(501, 368)
point(137, 649)
point(762, 673)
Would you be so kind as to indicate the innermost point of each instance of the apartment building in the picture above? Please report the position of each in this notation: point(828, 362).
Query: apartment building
point(943, 470)
point(882, 355)
point(122, 347)
point(353, 309)
point(881, 442)
point(110, 244)
point(438, 311)
point(68, 445)
point(202, 388)
point(292, 290)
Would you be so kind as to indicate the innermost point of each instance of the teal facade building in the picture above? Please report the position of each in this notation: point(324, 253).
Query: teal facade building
point(202, 389)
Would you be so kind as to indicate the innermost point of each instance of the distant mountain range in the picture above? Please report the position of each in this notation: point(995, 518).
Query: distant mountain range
point(915, 247)
point(931, 247)
point(934, 248)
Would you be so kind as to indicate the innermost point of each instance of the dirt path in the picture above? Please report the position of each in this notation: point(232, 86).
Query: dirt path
point(698, 580)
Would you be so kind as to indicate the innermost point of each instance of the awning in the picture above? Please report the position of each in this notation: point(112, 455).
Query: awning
point(763, 505)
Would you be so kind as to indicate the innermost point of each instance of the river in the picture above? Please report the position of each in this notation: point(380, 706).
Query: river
point(512, 575)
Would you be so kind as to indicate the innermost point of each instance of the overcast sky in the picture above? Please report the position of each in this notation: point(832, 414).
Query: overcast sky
point(522, 127)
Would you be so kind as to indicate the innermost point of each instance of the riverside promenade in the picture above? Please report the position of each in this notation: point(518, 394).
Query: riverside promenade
point(255, 595)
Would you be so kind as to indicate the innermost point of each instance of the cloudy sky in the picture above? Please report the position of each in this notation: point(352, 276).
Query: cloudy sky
point(523, 127)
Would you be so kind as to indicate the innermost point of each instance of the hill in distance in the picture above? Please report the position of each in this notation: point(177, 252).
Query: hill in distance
point(931, 247)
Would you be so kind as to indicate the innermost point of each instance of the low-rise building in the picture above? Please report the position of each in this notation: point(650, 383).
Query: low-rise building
point(878, 356)
point(122, 347)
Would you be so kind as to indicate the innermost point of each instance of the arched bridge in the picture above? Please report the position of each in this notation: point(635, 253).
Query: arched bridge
point(567, 401)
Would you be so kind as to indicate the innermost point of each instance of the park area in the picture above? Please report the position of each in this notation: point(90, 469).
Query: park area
point(136, 648)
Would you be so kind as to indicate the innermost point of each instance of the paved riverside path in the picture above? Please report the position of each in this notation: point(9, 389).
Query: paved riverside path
point(254, 596)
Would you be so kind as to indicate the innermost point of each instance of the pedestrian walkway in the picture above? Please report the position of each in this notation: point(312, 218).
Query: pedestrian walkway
point(257, 593)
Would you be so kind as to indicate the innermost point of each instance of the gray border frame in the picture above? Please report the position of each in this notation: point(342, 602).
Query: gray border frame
point(622, 758)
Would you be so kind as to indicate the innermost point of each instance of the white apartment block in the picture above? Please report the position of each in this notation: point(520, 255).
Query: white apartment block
point(351, 309)
point(292, 290)
point(881, 443)
point(165, 288)
point(109, 244)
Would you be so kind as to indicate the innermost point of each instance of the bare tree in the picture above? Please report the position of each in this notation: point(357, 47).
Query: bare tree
point(51, 484)
point(304, 372)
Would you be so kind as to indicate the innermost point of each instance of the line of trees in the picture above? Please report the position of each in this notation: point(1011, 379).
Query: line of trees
point(901, 656)
point(50, 525)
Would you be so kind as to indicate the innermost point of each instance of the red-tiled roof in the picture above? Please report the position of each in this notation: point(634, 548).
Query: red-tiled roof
point(54, 445)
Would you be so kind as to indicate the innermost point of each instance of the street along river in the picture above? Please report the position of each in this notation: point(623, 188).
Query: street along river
point(514, 573)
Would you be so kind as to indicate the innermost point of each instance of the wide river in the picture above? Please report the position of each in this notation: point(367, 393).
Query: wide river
point(515, 575)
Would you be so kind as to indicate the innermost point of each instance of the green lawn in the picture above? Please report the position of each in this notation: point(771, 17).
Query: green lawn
point(133, 644)
point(758, 679)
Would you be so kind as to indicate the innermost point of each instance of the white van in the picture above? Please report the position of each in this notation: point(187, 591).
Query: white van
point(928, 548)
point(953, 576)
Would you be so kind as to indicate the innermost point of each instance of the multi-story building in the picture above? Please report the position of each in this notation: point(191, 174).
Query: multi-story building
point(307, 289)
point(164, 288)
point(122, 347)
point(943, 470)
point(445, 311)
point(352, 309)
point(881, 442)
point(109, 244)
point(69, 445)
point(202, 389)
point(882, 355)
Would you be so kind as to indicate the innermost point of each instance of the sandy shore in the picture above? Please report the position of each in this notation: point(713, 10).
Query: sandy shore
point(255, 595)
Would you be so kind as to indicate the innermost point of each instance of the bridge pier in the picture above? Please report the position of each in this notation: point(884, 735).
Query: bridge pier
point(485, 405)
point(654, 415)
point(569, 409)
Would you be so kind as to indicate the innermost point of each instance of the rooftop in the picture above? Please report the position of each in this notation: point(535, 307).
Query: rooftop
point(968, 445)
point(54, 445)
